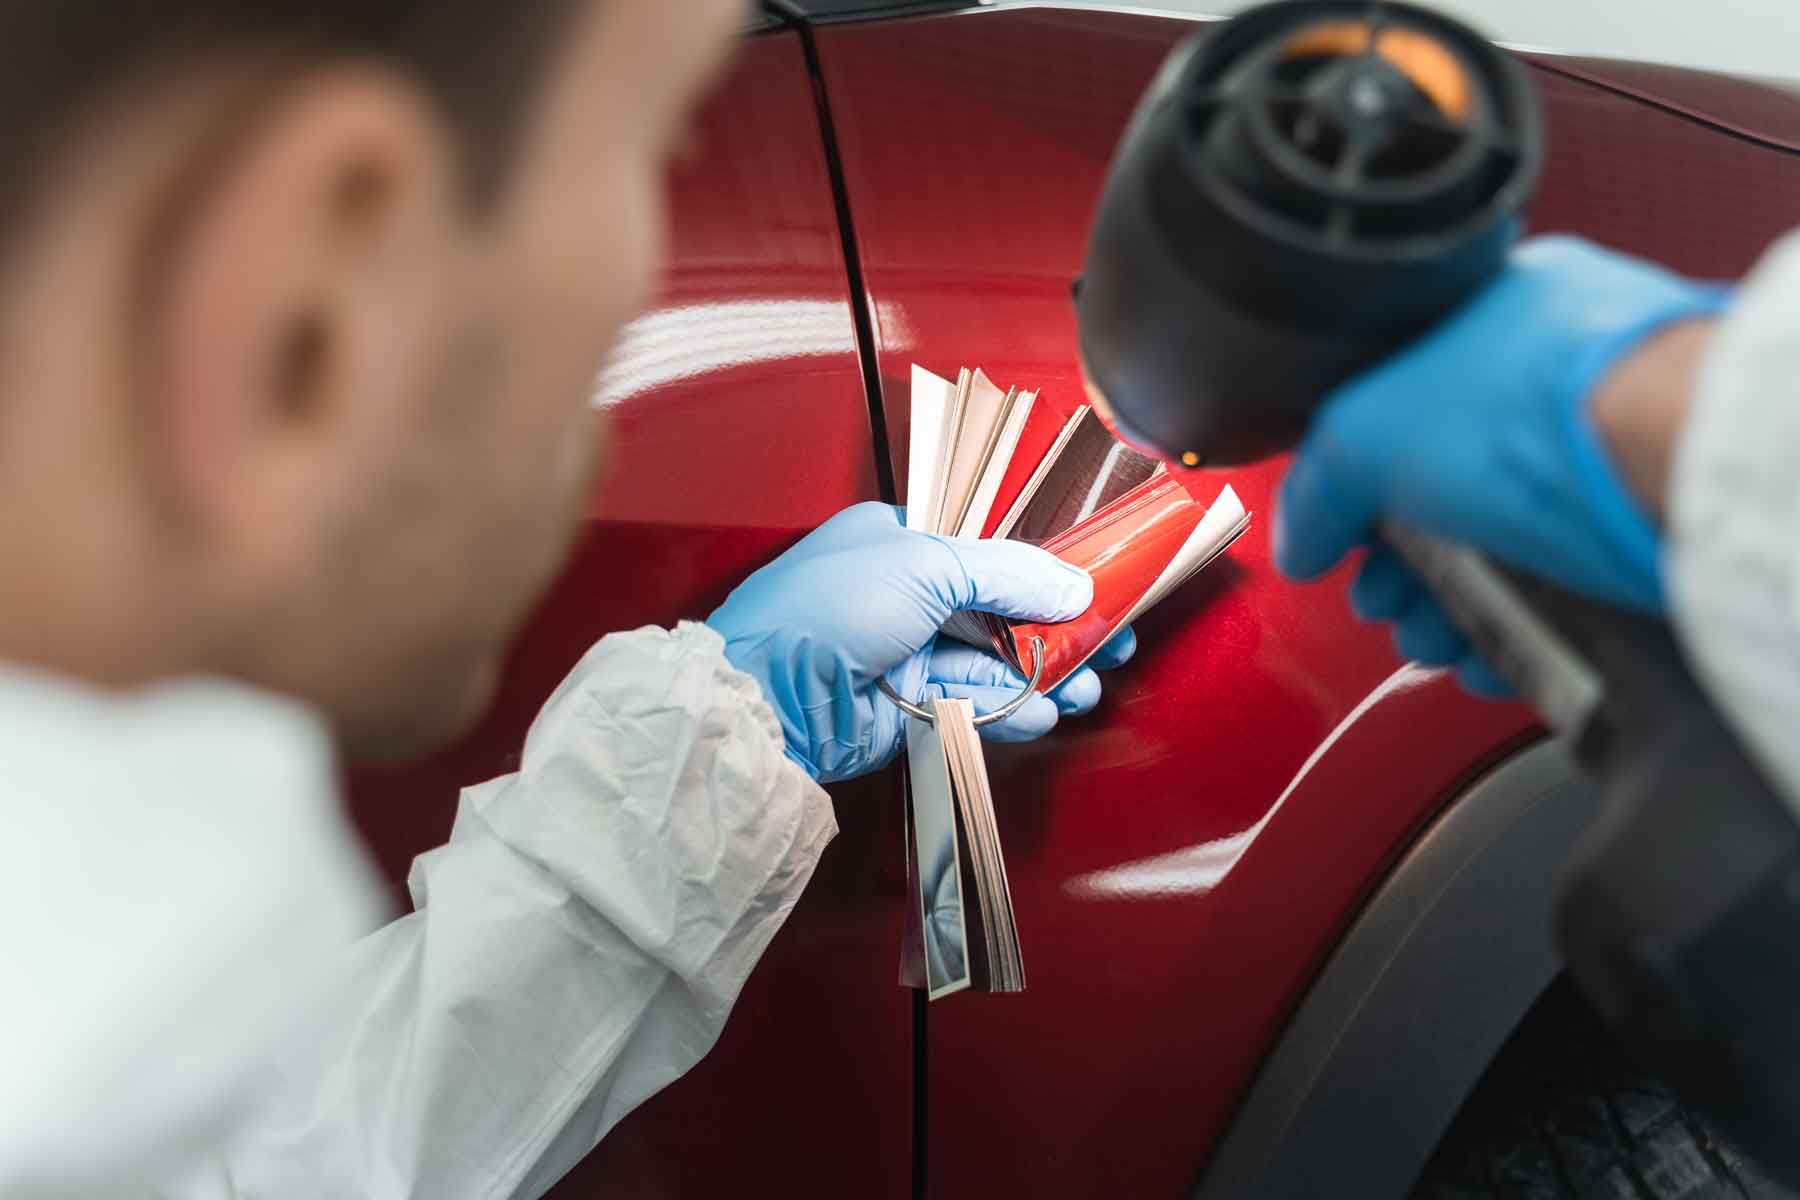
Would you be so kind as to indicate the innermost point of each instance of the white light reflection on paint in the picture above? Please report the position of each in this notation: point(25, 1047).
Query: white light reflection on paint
point(1198, 869)
point(894, 330)
point(671, 344)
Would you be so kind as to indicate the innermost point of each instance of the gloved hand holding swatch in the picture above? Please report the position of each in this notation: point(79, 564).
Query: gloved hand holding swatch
point(1000, 464)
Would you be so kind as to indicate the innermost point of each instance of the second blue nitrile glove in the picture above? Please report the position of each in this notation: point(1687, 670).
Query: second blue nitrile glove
point(1480, 433)
point(862, 597)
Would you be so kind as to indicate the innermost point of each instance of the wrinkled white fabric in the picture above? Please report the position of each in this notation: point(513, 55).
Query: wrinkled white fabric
point(1733, 556)
point(575, 946)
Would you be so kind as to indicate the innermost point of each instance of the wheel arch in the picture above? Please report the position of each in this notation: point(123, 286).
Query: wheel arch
point(1438, 968)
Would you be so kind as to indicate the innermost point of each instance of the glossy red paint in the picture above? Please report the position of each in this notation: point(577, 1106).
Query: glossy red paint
point(739, 420)
point(1181, 861)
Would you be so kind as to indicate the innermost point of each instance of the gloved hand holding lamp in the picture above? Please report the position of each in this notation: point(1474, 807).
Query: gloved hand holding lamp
point(1483, 433)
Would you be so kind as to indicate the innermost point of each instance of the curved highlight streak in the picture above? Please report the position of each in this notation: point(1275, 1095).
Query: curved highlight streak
point(1196, 870)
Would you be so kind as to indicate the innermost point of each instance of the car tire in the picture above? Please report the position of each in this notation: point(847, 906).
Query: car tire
point(1563, 1113)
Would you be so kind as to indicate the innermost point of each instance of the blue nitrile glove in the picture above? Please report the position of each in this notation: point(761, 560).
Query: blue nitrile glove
point(1480, 433)
point(861, 597)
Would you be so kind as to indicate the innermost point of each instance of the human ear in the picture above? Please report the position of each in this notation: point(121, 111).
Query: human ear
point(286, 295)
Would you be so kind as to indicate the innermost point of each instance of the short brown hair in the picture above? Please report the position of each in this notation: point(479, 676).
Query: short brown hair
point(479, 60)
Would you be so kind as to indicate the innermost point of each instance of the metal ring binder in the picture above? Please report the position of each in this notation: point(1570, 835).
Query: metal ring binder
point(999, 714)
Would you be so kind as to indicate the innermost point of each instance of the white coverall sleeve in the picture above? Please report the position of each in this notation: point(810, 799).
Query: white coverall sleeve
point(575, 946)
point(1733, 553)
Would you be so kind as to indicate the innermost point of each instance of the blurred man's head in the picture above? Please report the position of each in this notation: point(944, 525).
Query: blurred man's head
point(300, 310)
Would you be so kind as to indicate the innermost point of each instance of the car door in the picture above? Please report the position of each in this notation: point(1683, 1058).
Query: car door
point(739, 420)
point(1182, 860)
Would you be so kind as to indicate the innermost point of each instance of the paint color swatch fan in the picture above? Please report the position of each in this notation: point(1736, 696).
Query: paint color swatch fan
point(987, 462)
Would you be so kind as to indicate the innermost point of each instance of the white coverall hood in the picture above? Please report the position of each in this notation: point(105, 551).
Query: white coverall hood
point(175, 870)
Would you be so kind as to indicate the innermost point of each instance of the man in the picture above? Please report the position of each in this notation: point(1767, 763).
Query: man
point(301, 308)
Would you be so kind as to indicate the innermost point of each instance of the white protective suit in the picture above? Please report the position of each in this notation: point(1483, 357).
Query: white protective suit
point(1733, 558)
point(177, 874)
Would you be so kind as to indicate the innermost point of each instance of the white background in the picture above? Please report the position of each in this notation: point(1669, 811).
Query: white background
point(1757, 37)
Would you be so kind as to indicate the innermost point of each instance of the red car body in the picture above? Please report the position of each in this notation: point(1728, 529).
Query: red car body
point(874, 193)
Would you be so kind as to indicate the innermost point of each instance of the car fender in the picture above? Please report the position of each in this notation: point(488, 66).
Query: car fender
point(1444, 960)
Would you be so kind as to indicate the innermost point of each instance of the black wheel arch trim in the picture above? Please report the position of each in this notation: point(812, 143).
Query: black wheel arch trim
point(1442, 963)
